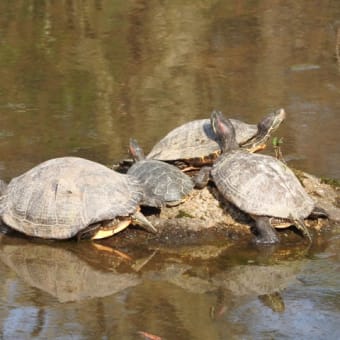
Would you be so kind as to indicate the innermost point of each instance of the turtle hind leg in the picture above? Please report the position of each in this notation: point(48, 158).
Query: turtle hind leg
point(266, 232)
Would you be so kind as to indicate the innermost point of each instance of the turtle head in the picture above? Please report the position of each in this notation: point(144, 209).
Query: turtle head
point(265, 128)
point(271, 122)
point(224, 131)
point(135, 150)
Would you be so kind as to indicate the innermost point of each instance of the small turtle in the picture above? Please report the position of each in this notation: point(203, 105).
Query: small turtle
point(164, 184)
point(195, 143)
point(259, 185)
point(69, 196)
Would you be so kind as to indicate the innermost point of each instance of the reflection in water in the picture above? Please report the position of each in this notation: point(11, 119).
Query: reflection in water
point(185, 286)
point(81, 77)
point(61, 273)
point(274, 301)
point(193, 292)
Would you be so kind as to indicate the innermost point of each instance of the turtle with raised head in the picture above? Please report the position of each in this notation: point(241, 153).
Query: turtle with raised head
point(70, 196)
point(195, 144)
point(164, 184)
point(260, 185)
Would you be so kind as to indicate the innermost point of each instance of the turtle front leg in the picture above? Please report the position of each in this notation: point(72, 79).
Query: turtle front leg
point(300, 225)
point(202, 178)
point(142, 221)
point(266, 232)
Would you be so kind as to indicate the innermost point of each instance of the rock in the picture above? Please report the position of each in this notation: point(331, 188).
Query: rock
point(206, 208)
point(206, 218)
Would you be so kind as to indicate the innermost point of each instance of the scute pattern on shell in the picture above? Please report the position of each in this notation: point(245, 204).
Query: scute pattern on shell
point(196, 139)
point(163, 183)
point(261, 185)
point(62, 196)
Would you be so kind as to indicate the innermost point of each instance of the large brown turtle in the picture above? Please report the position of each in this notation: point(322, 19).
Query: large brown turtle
point(70, 196)
point(196, 144)
point(260, 185)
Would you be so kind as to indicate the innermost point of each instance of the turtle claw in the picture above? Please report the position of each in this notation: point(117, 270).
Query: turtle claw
point(142, 221)
point(302, 227)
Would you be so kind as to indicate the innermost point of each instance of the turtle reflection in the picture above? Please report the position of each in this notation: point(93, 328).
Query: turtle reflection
point(61, 272)
point(77, 271)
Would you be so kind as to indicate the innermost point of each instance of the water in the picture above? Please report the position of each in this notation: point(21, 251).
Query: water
point(82, 77)
point(70, 290)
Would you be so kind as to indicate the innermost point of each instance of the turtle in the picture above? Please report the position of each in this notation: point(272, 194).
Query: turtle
point(70, 196)
point(195, 144)
point(164, 183)
point(259, 185)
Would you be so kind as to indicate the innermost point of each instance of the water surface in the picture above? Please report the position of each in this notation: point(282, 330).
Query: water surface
point(82, 77)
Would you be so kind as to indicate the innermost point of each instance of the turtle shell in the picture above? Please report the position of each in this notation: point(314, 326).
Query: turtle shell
point(62, 196)
point(164, 184)
point(196, 139)
point(261, 185)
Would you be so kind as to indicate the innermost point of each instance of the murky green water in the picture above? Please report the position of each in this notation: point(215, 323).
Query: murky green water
point(81, 77)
